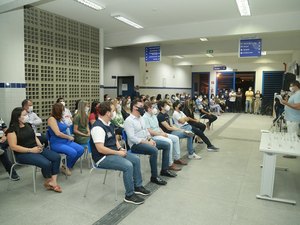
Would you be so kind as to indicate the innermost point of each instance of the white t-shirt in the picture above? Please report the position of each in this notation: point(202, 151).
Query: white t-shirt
point(98, 134)
point(177, 116)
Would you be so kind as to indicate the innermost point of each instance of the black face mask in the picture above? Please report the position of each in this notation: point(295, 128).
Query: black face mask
point(180, 107)
point(141, 110)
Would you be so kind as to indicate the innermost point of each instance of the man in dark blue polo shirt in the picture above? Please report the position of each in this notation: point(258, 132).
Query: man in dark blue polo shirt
point(107, 153)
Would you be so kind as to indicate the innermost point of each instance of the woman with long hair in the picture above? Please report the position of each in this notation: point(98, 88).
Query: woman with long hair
point(29, 150)
point(60, 141)
point(81, 125)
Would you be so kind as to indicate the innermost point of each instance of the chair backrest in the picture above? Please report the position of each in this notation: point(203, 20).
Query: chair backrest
point(13, 156)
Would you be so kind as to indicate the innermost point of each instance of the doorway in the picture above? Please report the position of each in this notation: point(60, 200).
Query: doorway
point(125, 86)
point(200, 83)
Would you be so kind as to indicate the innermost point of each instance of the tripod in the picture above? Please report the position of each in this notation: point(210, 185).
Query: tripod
point(279, 122)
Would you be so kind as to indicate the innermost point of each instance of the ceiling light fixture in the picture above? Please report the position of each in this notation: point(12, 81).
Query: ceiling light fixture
point(203, 39)
point(209, 55)
point(178, 56)
point(107, 48)
point(91, 4)
point(263, 53)
point(244, 8)
point(127, 21)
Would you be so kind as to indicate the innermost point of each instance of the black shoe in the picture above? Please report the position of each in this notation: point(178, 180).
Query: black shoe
point(158, 181)
point(141, 191)
point(168, 173)
point(134, 199)
point(15, 176)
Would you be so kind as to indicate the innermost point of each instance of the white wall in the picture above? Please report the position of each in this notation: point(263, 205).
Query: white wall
point(11, 61)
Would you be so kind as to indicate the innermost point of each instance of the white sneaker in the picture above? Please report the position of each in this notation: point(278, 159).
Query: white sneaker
point(194, 156)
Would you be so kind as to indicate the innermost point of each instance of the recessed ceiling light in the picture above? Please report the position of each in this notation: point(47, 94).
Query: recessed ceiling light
point(91, 4)
point(108, 48)
point(203, 39)
point(263, 53)
point(244, 8)
point(127, 21)
point(209, 55)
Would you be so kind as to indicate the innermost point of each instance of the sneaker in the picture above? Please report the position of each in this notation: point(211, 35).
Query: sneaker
point(141, 191)
point(134, 199)
point(189, 133)
point(194, 156)
point(15, 176)
point(212, 149)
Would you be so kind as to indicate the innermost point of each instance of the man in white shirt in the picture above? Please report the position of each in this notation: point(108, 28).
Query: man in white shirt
point(159, 135)
point(107, 153)
point(140, 142)
point(34, 120)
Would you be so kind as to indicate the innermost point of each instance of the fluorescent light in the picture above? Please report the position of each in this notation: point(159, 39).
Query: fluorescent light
point(209, 55)
point(127, 21)
point(203, 39)
point(244, 8)
point(178, 56)
point(108, 48)
point(91, 4)
point(263, 53)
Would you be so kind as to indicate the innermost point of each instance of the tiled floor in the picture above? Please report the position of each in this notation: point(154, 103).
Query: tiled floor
point(220, 189)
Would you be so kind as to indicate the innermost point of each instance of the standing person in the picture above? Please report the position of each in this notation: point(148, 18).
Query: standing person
point(29, 150)
point(81, 124)
point(34, 120)
point(239, 100)
point(257, 102)
point(60, 141)
point(140, 142)
point(231, 101)
point(67, 115)
point(4, 156)
point(107, 153)
point(249, 97)
point(292, 108)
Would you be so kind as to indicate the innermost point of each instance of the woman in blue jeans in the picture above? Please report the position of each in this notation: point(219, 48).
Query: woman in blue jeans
point(29, 150)
point(60, 141)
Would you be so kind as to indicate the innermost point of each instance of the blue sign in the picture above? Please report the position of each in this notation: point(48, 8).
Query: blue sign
point(219, 67)
point(152, 54)
point(250, 48)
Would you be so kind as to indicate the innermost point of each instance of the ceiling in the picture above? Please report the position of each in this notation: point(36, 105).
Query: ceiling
point(181, 23)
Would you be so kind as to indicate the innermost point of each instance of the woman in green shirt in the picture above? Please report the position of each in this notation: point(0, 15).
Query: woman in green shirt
point(81, 125)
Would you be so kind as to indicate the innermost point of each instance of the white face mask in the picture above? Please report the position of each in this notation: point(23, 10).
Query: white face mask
point(24, 119)
point(30, 109)
point(128, 105)
point(167, 108)
point(87, 109)
point(63, 103)
point(154, 111)
point(113, 115)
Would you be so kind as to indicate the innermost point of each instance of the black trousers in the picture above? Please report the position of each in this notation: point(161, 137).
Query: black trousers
point(4, 157)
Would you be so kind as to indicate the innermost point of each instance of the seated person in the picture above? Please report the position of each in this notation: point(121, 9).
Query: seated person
point(67, 115)
point(206, 114)
point(3, 152)
point(159, 135)
point(34, 121)
point(94, 113)
point(60, 141)
point(29, 150)
point(118, 121)
point(81, 125)
point(215, 106)
point(126, 107)
point(107, 153)
point(181, 121)
point(164, 123)
point(189, 112)
point(140, 142)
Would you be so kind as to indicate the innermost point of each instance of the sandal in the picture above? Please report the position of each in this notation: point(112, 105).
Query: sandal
point(56, 188)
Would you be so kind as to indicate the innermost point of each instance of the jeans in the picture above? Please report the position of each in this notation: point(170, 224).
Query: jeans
point(73, 151)
point(173, 141)
point(47, 160)
point(248, 105)
point(181, 134)
point(4, 157)
point(147, 149)
point(129, 165)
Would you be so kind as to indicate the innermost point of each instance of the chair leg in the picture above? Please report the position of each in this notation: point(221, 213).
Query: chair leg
point(116, 191)
point(88, 183)
point(10, 174)
point(105, 177)
point(34, 178)
point(81, 164)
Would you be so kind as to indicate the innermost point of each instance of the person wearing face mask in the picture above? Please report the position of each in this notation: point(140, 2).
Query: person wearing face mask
point(29, 150)
point(141, 142)
point(126, 107)
point(159, 135)
point(238, 102)
point(60, 141)
point(67, 115)
point(249, 97)
point(257, 102)
point(107, 153)
point(34, 120)
point(117, 119)
point(292, 108)
point(81, 125)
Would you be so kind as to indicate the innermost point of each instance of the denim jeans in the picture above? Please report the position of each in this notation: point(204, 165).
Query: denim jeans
point(181, 134)
point(248, 105)
point(47, 160)
point(147, 149)
point(129, 165)
point(173, 140)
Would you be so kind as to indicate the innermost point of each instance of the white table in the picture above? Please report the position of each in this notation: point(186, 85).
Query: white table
point(271, 145)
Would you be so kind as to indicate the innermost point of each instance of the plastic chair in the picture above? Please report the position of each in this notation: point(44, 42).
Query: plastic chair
point(15, 163)
point(86, 154)
point(95, 167)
